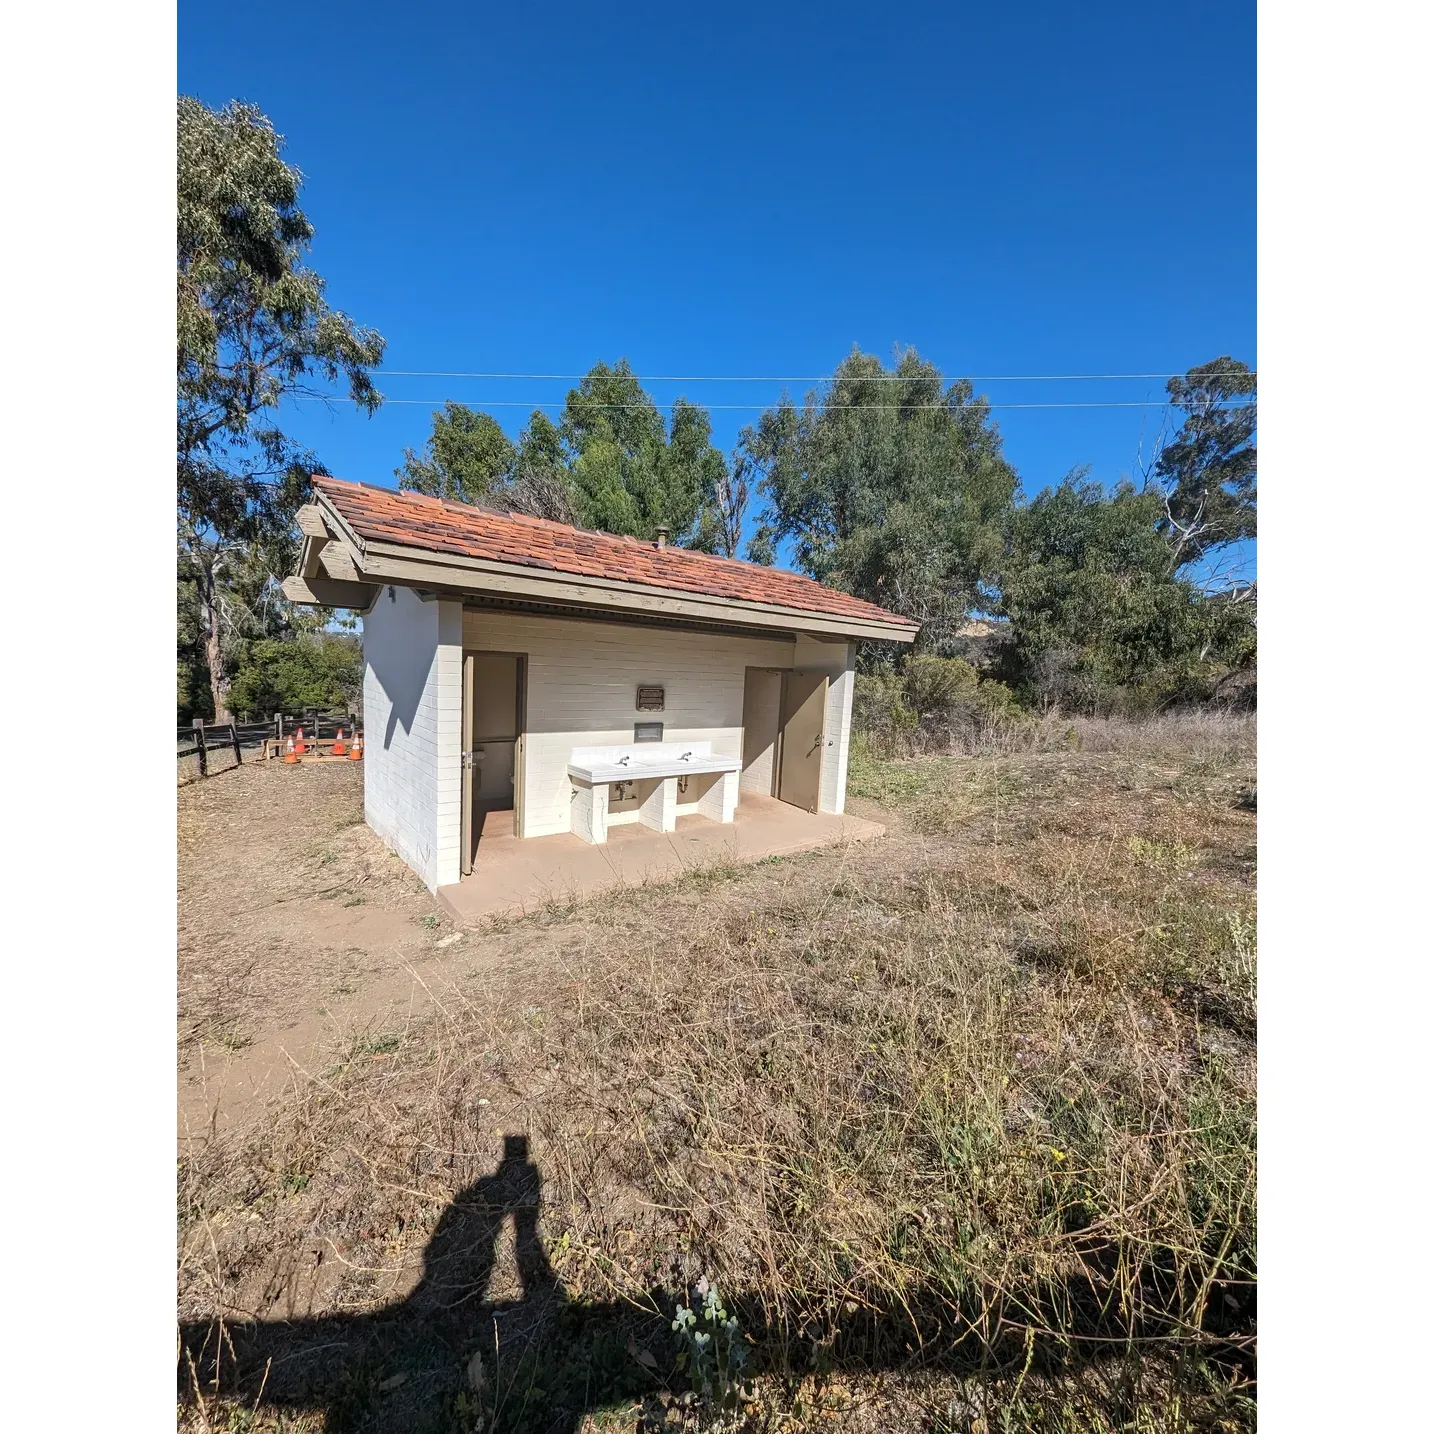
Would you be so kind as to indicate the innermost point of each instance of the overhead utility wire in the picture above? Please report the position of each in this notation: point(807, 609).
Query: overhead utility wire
point(819, 378)
point(750, 407)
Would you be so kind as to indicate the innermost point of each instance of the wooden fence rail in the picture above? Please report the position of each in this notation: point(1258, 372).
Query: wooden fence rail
point(200, 739)
point(204, 739)
point(317, 724)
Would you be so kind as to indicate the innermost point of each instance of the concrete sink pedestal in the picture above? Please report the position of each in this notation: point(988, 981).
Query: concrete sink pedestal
point(645, 782)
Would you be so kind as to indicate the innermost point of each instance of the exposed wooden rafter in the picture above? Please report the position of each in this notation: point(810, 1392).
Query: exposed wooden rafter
point(310, 519)
point(328, 592)
point(338, 563)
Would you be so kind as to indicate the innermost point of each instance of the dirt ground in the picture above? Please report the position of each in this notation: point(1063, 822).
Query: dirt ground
point(291, 917)
point(301, 936)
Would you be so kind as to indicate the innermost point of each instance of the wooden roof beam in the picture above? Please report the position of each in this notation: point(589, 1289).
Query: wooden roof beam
point(311, 523)
point(316, 538)
point(337, 563)
point(329, 592)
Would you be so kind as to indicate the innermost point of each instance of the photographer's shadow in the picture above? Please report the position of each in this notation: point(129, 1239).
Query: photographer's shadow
point(447, 1352)
point(450, 1355)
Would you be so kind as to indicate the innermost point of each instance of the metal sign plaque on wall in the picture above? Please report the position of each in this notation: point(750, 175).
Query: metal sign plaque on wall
point(649, 699)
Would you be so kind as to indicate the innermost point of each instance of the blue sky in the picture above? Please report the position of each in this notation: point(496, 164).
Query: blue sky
point(751, 189)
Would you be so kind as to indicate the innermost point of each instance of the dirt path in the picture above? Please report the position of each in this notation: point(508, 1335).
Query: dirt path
point(296, 927)
point(303, 941)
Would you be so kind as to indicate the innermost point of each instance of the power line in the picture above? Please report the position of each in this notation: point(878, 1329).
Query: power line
point(817, 378)
point(746, 407)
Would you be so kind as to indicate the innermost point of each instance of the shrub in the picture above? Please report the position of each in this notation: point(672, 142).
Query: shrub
point(939, 704)
point(1099, 623)
point(316, 670)
point(712, 1350)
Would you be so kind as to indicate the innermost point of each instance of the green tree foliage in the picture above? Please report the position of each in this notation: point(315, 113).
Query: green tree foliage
point(319, 669)
point(1097, 617)
point(629, 471)
point(249, 606)
point(892, 485)
point(466, 457)
point(253, 327)
point(1207, 472)
point(539, 481)
point(612, 463)
point(469, 459)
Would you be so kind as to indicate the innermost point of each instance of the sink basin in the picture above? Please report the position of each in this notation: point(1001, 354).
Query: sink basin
point(636, 771)
point(647, 760)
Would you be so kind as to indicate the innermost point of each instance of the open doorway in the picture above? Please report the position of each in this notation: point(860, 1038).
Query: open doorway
point(494, 690)
point(761, 726)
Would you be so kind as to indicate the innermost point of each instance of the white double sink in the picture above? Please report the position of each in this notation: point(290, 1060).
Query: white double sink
point(647, 777)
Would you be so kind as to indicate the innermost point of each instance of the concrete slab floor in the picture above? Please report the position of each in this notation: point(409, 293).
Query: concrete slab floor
point(511, 876)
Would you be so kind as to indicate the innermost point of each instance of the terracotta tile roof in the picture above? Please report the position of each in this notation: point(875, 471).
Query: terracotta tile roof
point(417, 521)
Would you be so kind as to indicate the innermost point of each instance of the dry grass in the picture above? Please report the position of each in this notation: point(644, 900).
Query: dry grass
point(1192, 731)
point(964, 1122)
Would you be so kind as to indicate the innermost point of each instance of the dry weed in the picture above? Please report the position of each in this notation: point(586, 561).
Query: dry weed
point(978, 1102)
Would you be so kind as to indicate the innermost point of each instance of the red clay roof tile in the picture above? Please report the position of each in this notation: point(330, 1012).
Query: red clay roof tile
point(418, 521)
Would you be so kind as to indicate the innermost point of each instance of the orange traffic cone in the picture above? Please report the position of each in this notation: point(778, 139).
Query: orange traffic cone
point(356, 748)
point(299, 746)
point(339, 748)
point(290, 755)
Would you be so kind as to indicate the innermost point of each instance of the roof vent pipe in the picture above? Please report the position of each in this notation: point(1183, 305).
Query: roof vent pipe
point(662, 535)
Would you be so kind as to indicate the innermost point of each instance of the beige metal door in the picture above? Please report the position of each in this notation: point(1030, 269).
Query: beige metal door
point(803, 744)
point(492, 739)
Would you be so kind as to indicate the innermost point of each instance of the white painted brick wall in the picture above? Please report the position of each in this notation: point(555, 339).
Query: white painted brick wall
point(582, 691)
point(448, 671)
point(412, 729)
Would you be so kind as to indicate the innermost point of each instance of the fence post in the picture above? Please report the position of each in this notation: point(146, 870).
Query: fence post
point(200, 747)
point(234, 737)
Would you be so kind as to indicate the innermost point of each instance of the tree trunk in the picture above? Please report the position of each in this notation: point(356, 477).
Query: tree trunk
point(213, 647)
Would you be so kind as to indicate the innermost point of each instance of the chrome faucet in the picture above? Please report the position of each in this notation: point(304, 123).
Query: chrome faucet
point(624, 760)
point(684, 756)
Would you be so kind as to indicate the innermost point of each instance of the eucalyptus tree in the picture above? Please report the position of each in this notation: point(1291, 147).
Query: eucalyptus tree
point(612, 462)
point(539, 482)
point(629, 470)
point(890, 483)
point(466, 457)
point(253, 328)
point(1206, 474)
point(729, 508)
point(469, 459)
point(1097, 617)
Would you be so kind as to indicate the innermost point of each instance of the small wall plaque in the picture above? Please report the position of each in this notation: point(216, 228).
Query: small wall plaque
point(650, 699)
point(647, 731)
